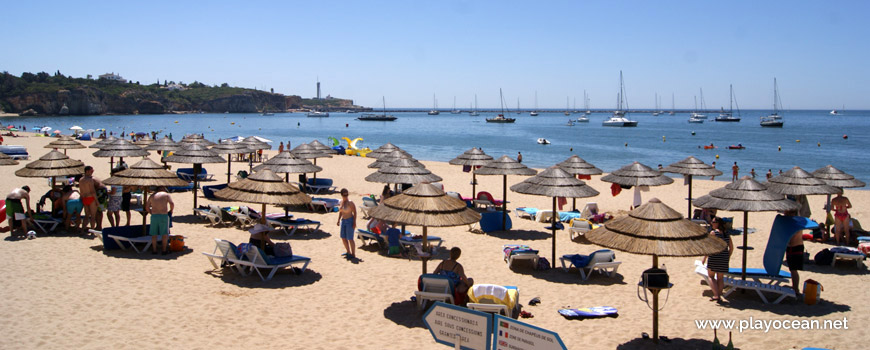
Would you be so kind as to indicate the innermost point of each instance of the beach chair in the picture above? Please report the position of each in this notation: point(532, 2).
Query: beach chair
point(320, 185)
point(223, 255)
point(45, 222)
point(495, 299)
point(526, 213)
point(368, 236)
point(368, 204)
point(516, 252)
point(601, 260)
point(208, 191)
point(579, 227)
point(124, 242)
point(469, 202)
point(187, 174)
point(433, 288)
point(293, 225)
point(257, 260)
point(486, 200)
point(327, 204)
point(15, 152)
point(753, 284)
point(847, 253)
point(246, 216)
point(589, 210)
point(189, 187)
point(544, 216)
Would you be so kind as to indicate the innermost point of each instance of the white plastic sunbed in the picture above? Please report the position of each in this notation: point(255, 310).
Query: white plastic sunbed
point(601, 260)
point(434, 288)
point(527, 254)
point(256, 262)
point(224, 252)
point(732, 284)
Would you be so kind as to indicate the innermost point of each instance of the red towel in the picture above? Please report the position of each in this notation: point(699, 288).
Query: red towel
point(562, 201)
point(584, 177)
point(615, 189)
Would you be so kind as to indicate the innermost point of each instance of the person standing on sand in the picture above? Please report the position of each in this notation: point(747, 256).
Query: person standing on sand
point(714, 167)
point(769, 174)
point(281, 147)
point(734, 171)
point(841, 205)
point(88, 186)
point(15, 210)
point(519, 157)
point(160, 206)
point(794, 257)
point(347, 223)
point(717, 264)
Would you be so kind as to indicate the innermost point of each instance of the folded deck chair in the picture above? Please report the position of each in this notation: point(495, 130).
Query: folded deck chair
point(257, 260)
point(433, 288)
point(602, 260)
point(327, 204)
point(518, 252)
point(494, 298)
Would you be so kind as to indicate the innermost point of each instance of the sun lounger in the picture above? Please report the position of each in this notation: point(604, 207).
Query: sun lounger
point(408, 241)
point(732, 284)
point(246, 216)
point(320, 185)
point(124, 242)
point(208, 191)
point(546, 216)
point(601, 260)
point(516, 252)
point(484, 199)
point(45, 222)
point(433, 288)
point(847, 253)
point(495, 299)
point(15, 152)
point(189, 187)
point(256, 260)
point(491, 221)
point(589, 210)
point(327, 204)
point(187, 174)
point(367, 204)
point(368, 236)
point(293, 224)
point(224, 253)
point(468, 201)
point(580, 227)
point(525, 213)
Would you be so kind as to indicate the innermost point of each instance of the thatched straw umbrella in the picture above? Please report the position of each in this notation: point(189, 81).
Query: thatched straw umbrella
point(105, 141)
point(403, 171)
point(798, 182)
point(472, 158)
point(425, 205)
point(656, 229)
point(230, 148)
point(263, 187)
point(254, 145)
point(689, 167)
point(196, 154)
point(65, 142)
point(385, 149)
point(575, 165)
point(52, 165)
point(145, 173)
point(837, 178)
point(306, 151)
point(505, 166)
point(554, 182)
point(745, 195)
point(120, 148)
point(386, 160)
point(321, 147)
point(164, 145)
point(144, 141)
point(7, 160)
point(637, 174)
point(286, 163)
point(196, 138)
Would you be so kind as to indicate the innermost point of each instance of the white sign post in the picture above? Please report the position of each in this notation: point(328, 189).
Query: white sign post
point(459, 327)
point(511, 334)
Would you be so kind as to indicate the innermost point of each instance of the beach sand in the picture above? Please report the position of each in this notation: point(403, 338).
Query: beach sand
point(63, 291)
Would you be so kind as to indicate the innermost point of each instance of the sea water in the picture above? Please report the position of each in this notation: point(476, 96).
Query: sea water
point(809, 139)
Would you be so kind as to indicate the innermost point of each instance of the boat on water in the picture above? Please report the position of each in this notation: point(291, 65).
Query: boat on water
point(349, 111)
point(695, 120)
point(619, 118)
point(378, 117)
point(543, 141)
point(455, 111)
point(673, 109)
point(586, 103)
point(267, 113)
point(774, 120)
point(729, 116)
point(500, 118)
point(697, 113)
point(583, 119)
point(317, 114)
point(567, 107)
point(534, 112)
point(834, 112)
point(434, 110)
point(570, 123)
point(737, 146)
point(656, 111)
point(474, 111)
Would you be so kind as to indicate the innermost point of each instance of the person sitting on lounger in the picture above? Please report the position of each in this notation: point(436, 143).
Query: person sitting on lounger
point(841, 206)
point(260, 238)
point(377, 226)
point(453, 270)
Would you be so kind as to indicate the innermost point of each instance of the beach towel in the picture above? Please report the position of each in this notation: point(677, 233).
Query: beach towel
point(584, 177)
point(562, 201)
point(466, 168)
point(615, 189)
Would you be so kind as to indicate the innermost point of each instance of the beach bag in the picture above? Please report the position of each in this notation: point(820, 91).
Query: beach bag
point(283, 250)
point(176, 243)
point(543, 264)
point(812, 292)
point(655, 278)
point(824, 257)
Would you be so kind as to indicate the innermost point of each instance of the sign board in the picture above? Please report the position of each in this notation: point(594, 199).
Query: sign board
point(510, 334)
point(454, 325)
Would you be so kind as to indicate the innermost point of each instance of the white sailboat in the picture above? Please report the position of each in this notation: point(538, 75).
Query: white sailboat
point(567, 106)
point(455, 111)
point(619, 115)
point(586, 103)
point(534, 112)
point(474, 112)
point(656, 110)
point(434, 110)
point(673, 110)
point(729, 116)
point(774, 119)
point(697, 114)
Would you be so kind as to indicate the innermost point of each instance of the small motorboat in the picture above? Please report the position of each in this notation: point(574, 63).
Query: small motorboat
point(543, 141)
point(570, 122)
point(737, 146)
point(710, 146)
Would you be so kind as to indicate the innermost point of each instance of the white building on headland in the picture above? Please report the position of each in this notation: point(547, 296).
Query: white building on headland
point(114, 77)
point(176, 87)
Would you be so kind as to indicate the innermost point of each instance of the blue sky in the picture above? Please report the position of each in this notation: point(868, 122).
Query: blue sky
point(407, 51)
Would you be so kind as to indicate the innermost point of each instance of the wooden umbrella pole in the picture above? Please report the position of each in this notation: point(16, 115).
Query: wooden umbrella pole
point(144, 209)
point(553, 228)
point(689, 215)
point(745, 243)
point(574, 204)
point(263, 214)
point(315, 174)
point(111, 163)
point(228, 170)
point(196, 171)
point(655, 293)
point(425, 248)
point(474, 184)
point(504, 203)
point(287, 180)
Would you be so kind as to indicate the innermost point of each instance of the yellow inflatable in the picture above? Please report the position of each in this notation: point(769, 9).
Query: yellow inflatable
point(352, 150)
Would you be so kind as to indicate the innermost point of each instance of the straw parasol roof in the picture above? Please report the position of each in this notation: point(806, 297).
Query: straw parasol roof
point(386, 148)
point(255, 144)
point(505, 165)
point(120, 148)
point(145, 173)
point(655, 229)
point(837, 178)
point(65, 142)
point(403, 171)
point(386, 160)
point(745, 194)
point(797, 182)
point(7, 160)
point(554, 182)
point(577, 166)
point(425, 205)
point(195, 153)
point(164, 144)
point(263, 187)
point(52, 164)
point(230, 148)
point(320, 146)
point(196, 138)
point(101, 143)
point(286, 162)
point(306, 151)
point(637, 174)
point(692, 166)
point(144, 141)
point(472, 157)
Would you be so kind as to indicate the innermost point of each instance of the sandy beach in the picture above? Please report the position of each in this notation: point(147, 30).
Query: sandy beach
point(64, 291)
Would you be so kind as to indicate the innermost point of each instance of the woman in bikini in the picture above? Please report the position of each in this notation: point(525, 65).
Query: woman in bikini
point(841, 207)
point(453, 270)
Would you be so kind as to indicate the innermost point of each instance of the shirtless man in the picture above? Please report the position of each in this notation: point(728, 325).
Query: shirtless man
point(794, 257)
point(347, 223)
point(72, 207)
point(842, 218)
point(15, 210)
point(88, 186)
point(159, 206)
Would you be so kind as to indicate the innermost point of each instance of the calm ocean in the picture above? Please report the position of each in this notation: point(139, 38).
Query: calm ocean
point(445, 136)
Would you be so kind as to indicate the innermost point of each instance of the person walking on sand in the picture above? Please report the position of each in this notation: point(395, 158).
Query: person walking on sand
point(519, 157)
point(16, 211)
point(841, 205)
point(160, 206)
point(347, 224)
point(734, 171)
point(769, 174)
point(88, 186)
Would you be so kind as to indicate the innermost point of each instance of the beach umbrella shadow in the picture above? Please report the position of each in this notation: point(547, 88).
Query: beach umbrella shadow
point(750, 301)
point(404, 313)
point(519, 235)
point(284, 278)
point(676, 343)
point(557, 275)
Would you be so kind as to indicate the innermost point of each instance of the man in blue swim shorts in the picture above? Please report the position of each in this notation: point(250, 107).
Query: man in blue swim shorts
point(347, 223)
point(160, 205)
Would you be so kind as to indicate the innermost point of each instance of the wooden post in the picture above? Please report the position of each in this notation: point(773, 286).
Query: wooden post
point(745, 244)
point(263, 214)
point(197, 168)
point(144, 209)
point(504, 203)
point(689, 178)
point(655, 293)
point(474, 184)
point(425, 248)
point(553, 228)
point(228, 169)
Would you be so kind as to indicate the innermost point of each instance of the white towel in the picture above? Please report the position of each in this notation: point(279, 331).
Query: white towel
point(637, 199)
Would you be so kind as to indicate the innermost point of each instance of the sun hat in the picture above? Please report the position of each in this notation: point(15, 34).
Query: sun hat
point(259, 228)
